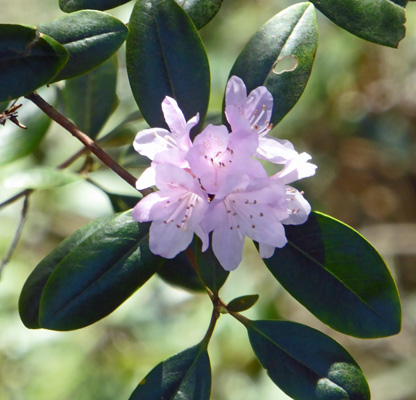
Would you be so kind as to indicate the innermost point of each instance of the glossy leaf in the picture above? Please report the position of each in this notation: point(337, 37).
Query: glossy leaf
point(165, 57)
point(16, 142)
point(90, 37)
point(305, 363)
point(338, 276)
point(40, 178)
point(210, 270)
point(28, 60)
point(180, 271)
point(379, 21)
point(242, 303)
point(184, 376)
point(88, 275)
point(70, 6)
point(200, 11)
point(291, 35)
point(91, 98)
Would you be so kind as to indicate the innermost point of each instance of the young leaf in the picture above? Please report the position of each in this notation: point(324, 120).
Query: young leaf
point(88, 275)
point(70, 6)
point(40, 178)
point(289, 37)
point(165, 57)
point(90, 99)
point(186, 375)
point(305, 363)
point(90, 37)
point(379, 21)
point(28, 60)
point(200, 11)
point(242, 303)
point(16, 142)
point(338, 276)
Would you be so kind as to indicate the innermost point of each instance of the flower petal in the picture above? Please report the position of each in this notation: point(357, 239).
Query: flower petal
point(295, 169)
point(149, 142)
point(275, 150)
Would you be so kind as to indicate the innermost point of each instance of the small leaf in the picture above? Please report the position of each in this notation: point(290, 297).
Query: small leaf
point(200, 11)
point(70, 6)
point(338, 276)
point(40, 178)
point(28, 60)
point(242, 303)
point(184, 376)
point(379, 21)
point(166, 57)
point(305, 363)
point(90, 37)
point(15, 142)
point(290, 36)
point(90, 99)
point(88, 275)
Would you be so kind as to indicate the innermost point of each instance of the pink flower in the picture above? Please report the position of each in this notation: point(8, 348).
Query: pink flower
point(252, 210)
point(176, 211)
point(163, 146)
point(217, 154)
point(253, 112)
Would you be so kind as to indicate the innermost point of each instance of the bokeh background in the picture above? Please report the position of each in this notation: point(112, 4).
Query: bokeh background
point(357, 118)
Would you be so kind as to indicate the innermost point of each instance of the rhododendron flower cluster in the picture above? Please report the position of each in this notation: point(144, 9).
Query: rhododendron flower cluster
point(217, 183)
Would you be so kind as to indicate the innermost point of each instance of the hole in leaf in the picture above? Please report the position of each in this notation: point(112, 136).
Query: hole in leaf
point(285, 64)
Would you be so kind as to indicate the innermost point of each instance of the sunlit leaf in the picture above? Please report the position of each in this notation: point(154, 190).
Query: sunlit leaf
point(88, 275)
point(40, 178)
point(305, 363)
point(90, 37)
point(289, 39)
point(200, 11)
point(379, 21)
point(338, 276)
point(165, 57)
point(28, 60)
point(70, 6)
point(185, 376)
point(91, 98)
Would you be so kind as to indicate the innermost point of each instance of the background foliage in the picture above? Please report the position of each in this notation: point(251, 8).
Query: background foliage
point(357, 118)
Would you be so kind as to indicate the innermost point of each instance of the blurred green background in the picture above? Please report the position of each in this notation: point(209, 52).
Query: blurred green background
point(357, 118)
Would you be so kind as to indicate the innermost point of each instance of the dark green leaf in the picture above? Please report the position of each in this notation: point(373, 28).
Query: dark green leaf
point(242, 303)
point(70, 6)
point(16, 142)
point(402, 3)
point(379, 21)
point(40, 178)
point(200, 11)
point(165, 57)
point(90, 99)
point(289, 37)
point(28, 60)
point(88, 275)
point(210, 270)
point(338, 276)
point(179, 272)
point(185, 376)
point(90, 37)
point(305, 363)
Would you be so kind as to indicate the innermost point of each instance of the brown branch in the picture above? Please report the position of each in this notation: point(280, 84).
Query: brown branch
point(82, 137)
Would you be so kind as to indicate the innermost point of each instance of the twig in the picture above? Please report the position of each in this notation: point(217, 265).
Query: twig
point(17, 234)
point(83, 138)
